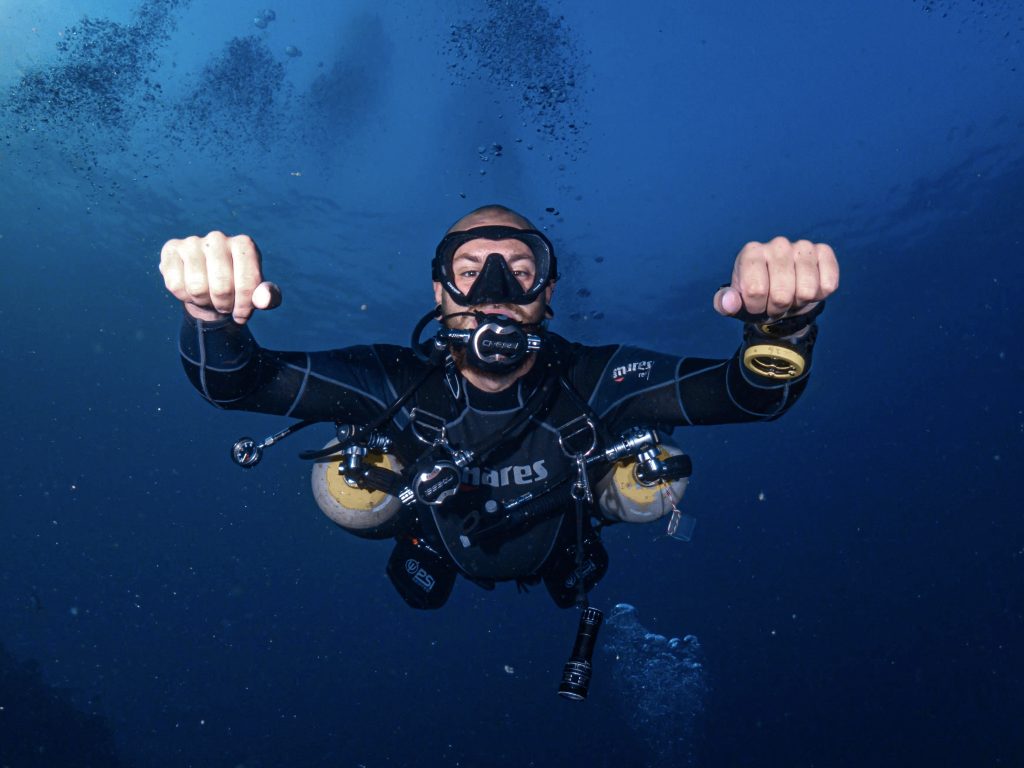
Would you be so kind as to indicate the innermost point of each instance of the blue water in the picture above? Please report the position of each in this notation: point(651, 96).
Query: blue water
point(855, 578)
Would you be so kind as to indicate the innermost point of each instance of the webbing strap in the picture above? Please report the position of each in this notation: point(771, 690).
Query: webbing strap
point(434, 399)
point(581, 593)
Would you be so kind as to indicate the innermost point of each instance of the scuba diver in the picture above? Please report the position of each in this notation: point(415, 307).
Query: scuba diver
point(496, 449)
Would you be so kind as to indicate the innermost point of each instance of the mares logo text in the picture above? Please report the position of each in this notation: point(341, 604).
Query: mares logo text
point(642, 369)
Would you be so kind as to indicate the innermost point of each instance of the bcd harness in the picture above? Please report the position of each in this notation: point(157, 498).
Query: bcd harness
point(433, 475)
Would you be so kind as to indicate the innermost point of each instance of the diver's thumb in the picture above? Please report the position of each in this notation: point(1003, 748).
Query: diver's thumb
point(727, 301)
point(266, 295)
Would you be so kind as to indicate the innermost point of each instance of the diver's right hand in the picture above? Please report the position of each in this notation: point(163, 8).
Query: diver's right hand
point(217, 275)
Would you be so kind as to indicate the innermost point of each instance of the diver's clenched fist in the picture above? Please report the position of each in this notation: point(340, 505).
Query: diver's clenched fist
point(779, 278)
point(217, 275)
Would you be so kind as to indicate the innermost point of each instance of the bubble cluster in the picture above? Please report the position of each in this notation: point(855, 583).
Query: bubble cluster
point(662, 685)
point(102, 91)
point(983, 17)
point(101, 84)
point(350, 88)
point(519, 46)
point(237, 99)
point(263, 18)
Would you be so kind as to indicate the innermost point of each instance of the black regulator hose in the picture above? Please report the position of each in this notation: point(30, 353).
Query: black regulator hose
point(415, 343)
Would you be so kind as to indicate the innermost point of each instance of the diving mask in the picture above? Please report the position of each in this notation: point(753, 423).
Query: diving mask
point(495, 282)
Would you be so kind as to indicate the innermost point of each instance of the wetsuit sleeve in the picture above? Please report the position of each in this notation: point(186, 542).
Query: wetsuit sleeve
point(638, 386)
point(230, 370)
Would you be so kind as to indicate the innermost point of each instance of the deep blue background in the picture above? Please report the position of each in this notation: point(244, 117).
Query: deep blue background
point(856, 577)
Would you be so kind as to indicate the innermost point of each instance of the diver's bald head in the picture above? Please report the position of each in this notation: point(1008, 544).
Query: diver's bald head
point(491, 215)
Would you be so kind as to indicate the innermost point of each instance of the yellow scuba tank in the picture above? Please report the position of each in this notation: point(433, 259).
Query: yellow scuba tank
point(621, 496)
point(353, 508)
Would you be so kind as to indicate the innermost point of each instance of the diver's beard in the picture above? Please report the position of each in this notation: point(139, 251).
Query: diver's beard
point(469, 318)
point(457, 317)
point(462, 362)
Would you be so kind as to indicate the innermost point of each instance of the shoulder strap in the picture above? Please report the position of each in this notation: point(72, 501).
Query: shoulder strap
point(436, 397)
point(566, 375)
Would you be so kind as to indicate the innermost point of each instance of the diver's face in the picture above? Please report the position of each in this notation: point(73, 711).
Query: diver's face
point(469, 260)
point(470, 257)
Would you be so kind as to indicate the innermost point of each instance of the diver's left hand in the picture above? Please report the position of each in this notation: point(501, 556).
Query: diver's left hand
point(779, 278)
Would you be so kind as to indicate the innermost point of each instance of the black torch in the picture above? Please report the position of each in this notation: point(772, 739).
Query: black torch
point(576, 674)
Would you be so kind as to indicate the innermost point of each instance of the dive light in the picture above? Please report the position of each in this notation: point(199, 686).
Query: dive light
point(576, 673)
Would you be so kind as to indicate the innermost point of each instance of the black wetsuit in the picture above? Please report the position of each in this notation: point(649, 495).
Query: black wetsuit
point(623, 386)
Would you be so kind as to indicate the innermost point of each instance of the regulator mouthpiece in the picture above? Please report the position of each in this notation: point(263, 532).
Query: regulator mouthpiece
point(498, 344)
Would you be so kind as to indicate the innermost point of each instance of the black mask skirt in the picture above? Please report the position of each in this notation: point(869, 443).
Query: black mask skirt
point(495, 283)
